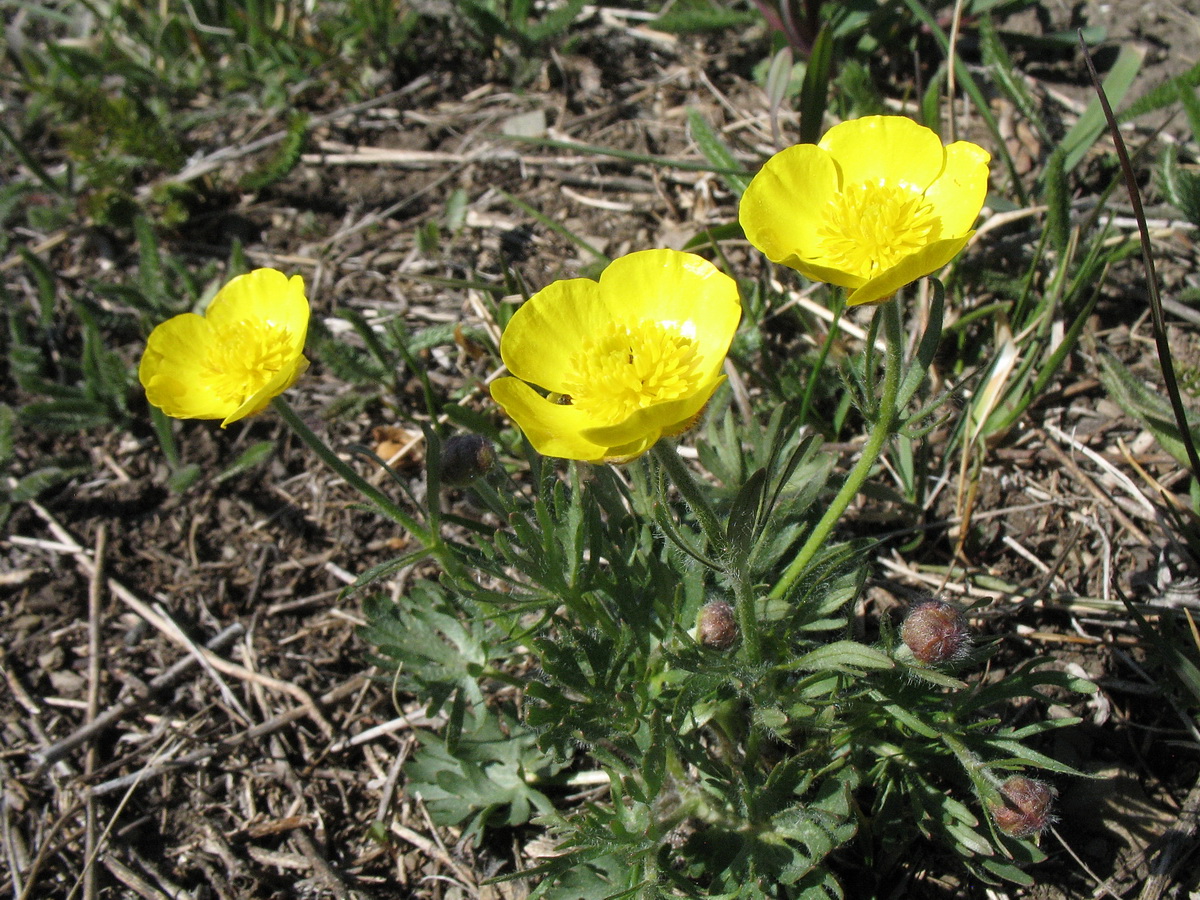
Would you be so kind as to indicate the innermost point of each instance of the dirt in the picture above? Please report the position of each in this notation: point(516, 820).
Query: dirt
point(278, 776)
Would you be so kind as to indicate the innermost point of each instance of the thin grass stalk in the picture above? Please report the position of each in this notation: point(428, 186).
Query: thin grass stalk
point(1165, 360)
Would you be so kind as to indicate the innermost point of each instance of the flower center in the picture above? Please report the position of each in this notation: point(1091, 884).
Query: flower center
point(244, 356)
point(871, 227)
point(627, 368)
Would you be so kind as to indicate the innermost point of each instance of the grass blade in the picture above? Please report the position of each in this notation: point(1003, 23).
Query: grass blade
point(1091, 124)
point(716, 152)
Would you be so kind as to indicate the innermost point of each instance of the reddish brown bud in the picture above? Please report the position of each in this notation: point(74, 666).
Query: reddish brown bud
point(936, 633)
point(718, 626)
point(1026, 808)
point(464, 458)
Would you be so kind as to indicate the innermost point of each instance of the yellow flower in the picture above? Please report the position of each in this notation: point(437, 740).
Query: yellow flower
point(230, 362)
point(878, 203)
point(623, 361)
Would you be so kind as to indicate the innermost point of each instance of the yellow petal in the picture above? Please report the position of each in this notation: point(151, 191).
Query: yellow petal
point(680, 291)
point(816, 271)
point(552, 429)
point(267, 296)
point(549, 328)
point(228, 364)
point(891, 150)
point(654, 421)
point(958, 193)
point(924, 262)
point(280, 382)
point(171, 373)
point(781, 210)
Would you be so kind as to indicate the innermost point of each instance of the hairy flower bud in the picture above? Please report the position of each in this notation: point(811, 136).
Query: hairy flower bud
point(718, 626)
point(1026, 808)
point(936, 632)
point(464, 458)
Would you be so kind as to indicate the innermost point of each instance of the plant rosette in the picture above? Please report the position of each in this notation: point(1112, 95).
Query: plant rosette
point(877, 204)
point(622, 362)
point(229, 363)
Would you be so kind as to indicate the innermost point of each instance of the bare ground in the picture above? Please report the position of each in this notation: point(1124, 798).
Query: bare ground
point(258, 767)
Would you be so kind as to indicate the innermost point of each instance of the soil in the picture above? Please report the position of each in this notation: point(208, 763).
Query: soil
point(273, 768)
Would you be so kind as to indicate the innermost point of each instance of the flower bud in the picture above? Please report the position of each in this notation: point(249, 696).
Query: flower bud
point(1026, 808)
point(464, 458)
point(718, 626)
point(936, 632)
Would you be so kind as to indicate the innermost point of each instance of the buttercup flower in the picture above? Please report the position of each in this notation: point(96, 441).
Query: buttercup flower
point(623, 361)
point(878, 203)
point(230, 362)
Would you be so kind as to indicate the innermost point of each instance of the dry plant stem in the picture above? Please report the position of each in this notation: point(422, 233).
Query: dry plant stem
point(95, 594)
point(226, 744)
point(881, 431)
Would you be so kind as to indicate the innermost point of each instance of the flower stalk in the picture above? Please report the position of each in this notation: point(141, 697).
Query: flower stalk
point(667, 455)
point(382, 502)
point(881, 432)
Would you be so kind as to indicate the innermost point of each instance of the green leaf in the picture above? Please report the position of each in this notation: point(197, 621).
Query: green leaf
point(745, 516)
point(694, 18)
point(1058, 200)
point(841, 656)
point(1147, 406)
point(254, 456)
point(1181, 187)
point(1009, 872)
point(31, 486)
point(814, 91)
point(183, 478)
point(1180, 88)
point(487, 778)
point(1003, 72)
point(8, 426)
point(555, 23)
point(716, 152)
point(285, 159)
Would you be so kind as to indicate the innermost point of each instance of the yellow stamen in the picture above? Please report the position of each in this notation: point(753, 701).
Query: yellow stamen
point(628, 368)
point(871, 227)
point(244, 356)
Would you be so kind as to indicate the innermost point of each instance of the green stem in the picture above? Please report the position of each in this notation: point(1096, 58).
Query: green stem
point(881, 432)
point(382, 502)
point(743, 593)
point(685, 482)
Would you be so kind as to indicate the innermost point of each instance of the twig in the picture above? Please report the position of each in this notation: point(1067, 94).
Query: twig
point(95, 593)
point(108, 719)
point(430, 848)
point(224, 746)
point(321, 867)
point(132, 880)
point(1095, 490)
point(171, 629)
point(389, 784)
point(1156, 861)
